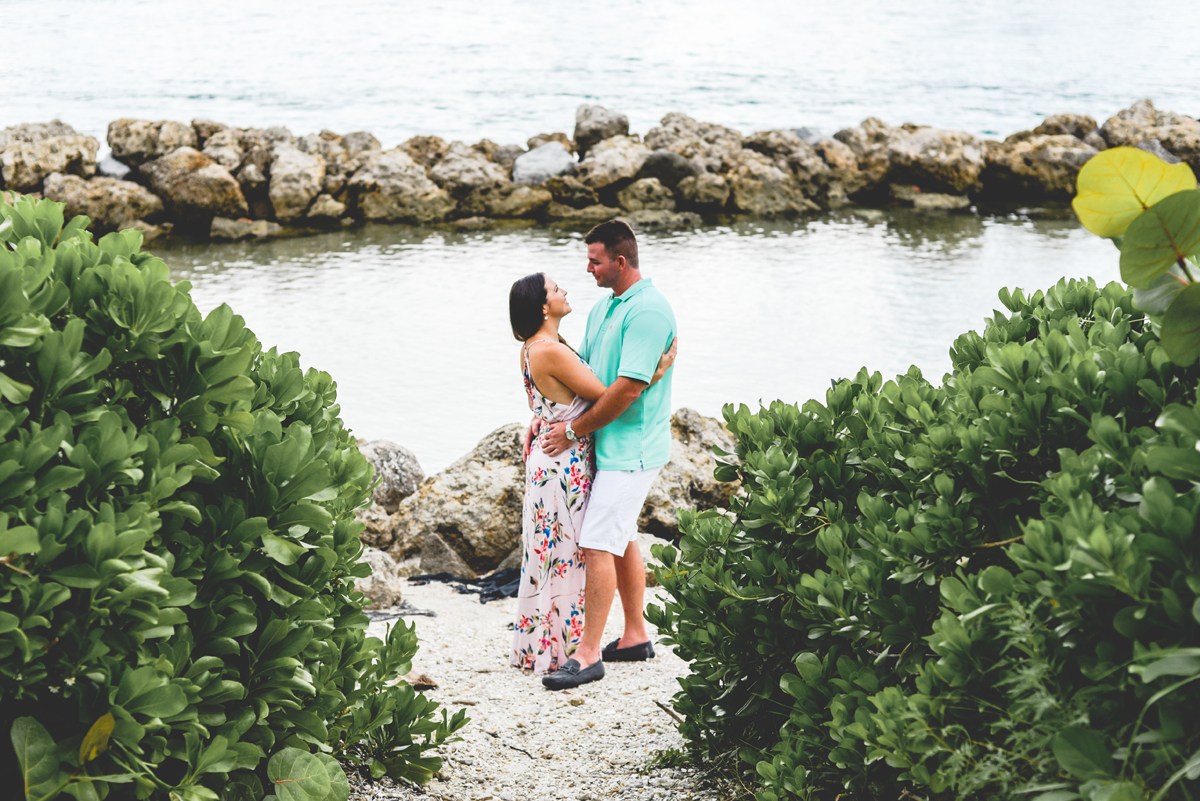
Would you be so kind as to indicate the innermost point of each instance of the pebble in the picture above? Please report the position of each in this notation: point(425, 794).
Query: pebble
point(536, 752)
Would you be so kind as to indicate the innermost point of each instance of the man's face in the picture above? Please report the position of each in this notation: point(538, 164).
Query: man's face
point(606, 271)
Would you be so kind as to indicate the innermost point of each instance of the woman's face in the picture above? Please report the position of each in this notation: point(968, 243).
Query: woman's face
point(556, 300)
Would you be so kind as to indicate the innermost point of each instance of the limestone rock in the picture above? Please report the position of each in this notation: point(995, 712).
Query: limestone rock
point(1034, 168)
point(390, 186)
point(646, 193)
point(108, 167)
point(687, 482)
point(705, 192)
point(668, 167)
point(570, 191)
point(149, 232)
point(383, 586)
point(707, 145)
point(296, 178)
point(325, 208)
point(646, 219)
point(534, 142)
point(594, 123)
point(506, 156)
point(473, 506)
point(928, 201)
point(112, 204)
point(542, 163)
point(397, 469)
point(136, 142)
point(251, 177)
point(338, 162)
point(618, 158)
point(505, 199)
point(760, 188)
point(868, 142)
point(793, 155)
point(205, 129)
point(438, 557)
point(225, 148)
point(32, 151)
point(193, 187)
point(463, 169)
point(486, 148)
point(1178, 133)
point(1077, 125)
point(360, 142)
point(235, 230)
point(846, 177)
point(426, 150)
point(935, 159)
point(588, 215)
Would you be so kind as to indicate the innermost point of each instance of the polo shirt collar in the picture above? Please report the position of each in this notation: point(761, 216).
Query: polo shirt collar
point(633, 290)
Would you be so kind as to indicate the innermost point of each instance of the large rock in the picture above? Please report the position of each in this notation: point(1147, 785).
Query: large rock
point(843, 164)
point(194, 188)
point(136, 142)
point(534, 142)
point(360, 142)
point(30, 152)
point(646, 219)
point(1077, 125)
point(687, 482)
point(868, 142)
point(112, 204)
point(225, 148)
point(397, 470)
point(226, 229)
point(710, 147)
point(646, 193)
point(296, 178)
point(473, 506)
point(935, 159)
point(668, 167)
point(793, 155)
point(542, 163)
point(426, 150)
point(588, 215)
point(706, 193)
point(390, 186)
point(384, 586)
point(463, 169)
point(505, 199)
point(1034, 168)
point(1178, 133)
point(570, 191)
point(338, 162)
point(594, 123)
point(612, 160)
point(760, 188)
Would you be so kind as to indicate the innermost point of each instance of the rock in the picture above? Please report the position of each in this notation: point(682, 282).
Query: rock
point(32, 151)
point(391, 186)
point(1077, 125)
point(868, 142)
point(397, 469)
point(644, 219)
point(793, 155)
point(108, 167)
point(360, 142)
point(1095, 140)
point(463, 169)
point(705, 193)
point(473, 506)
point(618, 158)
point(1034, 168)
point(325, 208)
point(594, 123)
point(668, 167)
point(760, 188)
point(438, 557)
point(251, 177)
point(338, 163)
point(149, 232)
point(534, 142)
point(383, 586)
point(1178, 133)
point(223, 228)
point(1156, 148)
point(588, 215)
point(843, 164)
point(935, 159)
point(570, 191)
point(193, 187)
point(486, 148)
point(810, 135)
point(542, 163)
point(296, 178)
point(426, 150)
point(687, 481)
point(136, 142)
point(646, 193)
point(507, 155)
point(1182, 139)
point(112, 204)
point(505, 199)
point(706, 145)
point(205, 129)
point(225, 148)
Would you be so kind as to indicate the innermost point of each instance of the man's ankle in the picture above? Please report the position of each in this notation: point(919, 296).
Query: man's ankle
point(586, 657)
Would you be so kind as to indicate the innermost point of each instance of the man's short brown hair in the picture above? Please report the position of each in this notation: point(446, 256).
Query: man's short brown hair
point(618, 240)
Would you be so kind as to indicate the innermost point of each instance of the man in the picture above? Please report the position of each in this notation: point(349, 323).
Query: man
point(626, 334)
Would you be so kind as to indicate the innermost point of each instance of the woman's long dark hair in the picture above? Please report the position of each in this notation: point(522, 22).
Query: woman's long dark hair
point(525, 301)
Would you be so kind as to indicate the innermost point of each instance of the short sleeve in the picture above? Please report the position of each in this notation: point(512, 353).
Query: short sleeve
point(647, 336)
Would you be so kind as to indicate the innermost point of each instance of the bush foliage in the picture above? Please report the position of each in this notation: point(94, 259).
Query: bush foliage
point(177, 544)
point(985, 589)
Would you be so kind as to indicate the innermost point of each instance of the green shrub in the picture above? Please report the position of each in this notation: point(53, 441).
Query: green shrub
point(177, 543)
point(987, 589)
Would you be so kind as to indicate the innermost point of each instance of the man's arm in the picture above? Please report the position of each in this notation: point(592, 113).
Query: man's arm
point(619, 396)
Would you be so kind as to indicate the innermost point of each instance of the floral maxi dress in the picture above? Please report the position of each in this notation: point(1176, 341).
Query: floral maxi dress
point(550, 601)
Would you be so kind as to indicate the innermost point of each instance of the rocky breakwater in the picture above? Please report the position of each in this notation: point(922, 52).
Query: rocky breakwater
point(235, 183)
point(466, 520)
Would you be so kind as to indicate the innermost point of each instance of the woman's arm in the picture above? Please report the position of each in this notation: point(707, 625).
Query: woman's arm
point(666, 361)
point(561, 364)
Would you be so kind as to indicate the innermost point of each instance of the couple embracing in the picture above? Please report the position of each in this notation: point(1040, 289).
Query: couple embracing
point(601, 432)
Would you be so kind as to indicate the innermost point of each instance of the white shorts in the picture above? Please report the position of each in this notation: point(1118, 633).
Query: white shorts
point(610, 522)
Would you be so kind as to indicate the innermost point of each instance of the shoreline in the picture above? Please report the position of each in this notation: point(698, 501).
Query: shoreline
point(206, 180)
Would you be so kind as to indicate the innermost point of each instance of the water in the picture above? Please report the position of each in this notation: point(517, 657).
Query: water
point(413, 323)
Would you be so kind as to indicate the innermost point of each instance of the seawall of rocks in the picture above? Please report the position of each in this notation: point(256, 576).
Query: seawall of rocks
point(239, 183)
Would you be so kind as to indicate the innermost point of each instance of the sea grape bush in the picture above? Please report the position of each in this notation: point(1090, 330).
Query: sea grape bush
point(177, 545)
point(987, 589)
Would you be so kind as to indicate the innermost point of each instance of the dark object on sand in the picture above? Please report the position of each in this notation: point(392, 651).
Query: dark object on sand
point(500, 584)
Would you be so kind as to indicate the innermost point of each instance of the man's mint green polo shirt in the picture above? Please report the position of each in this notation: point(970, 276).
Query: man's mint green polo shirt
point(626, 336)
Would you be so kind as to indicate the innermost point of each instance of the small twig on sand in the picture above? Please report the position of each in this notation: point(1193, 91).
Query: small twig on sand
point(669, 711)
point(507, 745)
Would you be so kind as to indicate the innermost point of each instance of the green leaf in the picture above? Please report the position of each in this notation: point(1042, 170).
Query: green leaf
point(283, 551)
point(95, 742)
point(1117, 184)
point(1181, 327)
point(38, 758)
point(14, 391)
point(19, 540)
point(339, 785)
point(1081, 752)
point(297, 775)
point(1160, 236)
point(1162, 291)
point(995, 580)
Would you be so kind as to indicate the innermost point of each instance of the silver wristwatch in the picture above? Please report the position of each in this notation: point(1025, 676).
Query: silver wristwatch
point(570, 432)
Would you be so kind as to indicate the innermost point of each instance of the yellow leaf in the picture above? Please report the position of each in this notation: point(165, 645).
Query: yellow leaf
point(95, 742)
point(1117, 185)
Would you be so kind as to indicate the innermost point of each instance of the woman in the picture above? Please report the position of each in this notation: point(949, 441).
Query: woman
point(560, 386)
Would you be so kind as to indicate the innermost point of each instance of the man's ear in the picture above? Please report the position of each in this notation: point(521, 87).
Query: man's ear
point(622, 262)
